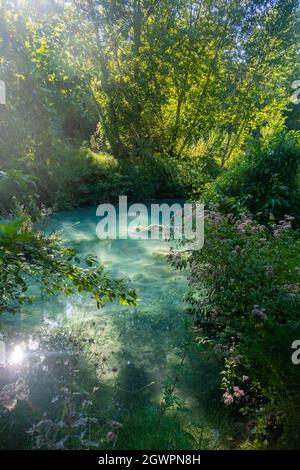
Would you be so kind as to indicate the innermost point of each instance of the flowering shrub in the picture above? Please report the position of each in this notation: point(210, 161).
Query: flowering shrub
point(245, 296)
point(12, 393)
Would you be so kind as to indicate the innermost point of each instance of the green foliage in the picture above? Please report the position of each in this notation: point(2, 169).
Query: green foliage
point(148, 430)
point(171, 73)
point(67, 403)
point(245, 296)
point(29, 256)
point(264, 180)
point(149, 99)
point(82, 177)
point(15, 186)
point(190, 173)
point(57, 404)
point(159, 77)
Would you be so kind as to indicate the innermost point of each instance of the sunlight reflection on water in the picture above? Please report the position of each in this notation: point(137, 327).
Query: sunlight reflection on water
point(139, 346)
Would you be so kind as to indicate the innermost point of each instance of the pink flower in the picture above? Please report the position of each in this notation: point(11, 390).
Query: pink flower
point(238, 392)
point(228, 398)
point(277, 234)
point(283, 226)
point(110, 436)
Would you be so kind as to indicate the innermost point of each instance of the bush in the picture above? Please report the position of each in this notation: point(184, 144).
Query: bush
point(264, 180)
point(28, 256)
point(85, 177)
point(15, 185)
point(190, 173)
point(245, 296)
point(77, 177)
point(92, 178)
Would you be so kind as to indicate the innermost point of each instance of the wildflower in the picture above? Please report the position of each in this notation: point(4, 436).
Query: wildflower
point(245, 378)
point(110, 436)
point(221, 348)
point(247, 225)
point(116, 425)
point(283, 226)
point(228, 398)
point(258, 311)
point(13, 392)
point(7, 398)
point(213, 216)
point(294, 288)
point(277, 234)
point(238, 392)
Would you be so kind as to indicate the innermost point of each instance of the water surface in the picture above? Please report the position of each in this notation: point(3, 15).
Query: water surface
point(128, 353)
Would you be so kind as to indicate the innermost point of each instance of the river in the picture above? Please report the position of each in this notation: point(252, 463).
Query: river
point(124, 360)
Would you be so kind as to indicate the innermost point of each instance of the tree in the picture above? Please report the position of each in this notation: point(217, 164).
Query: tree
point(28, 255)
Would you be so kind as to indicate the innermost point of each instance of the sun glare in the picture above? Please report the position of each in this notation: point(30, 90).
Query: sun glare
point(17, 355)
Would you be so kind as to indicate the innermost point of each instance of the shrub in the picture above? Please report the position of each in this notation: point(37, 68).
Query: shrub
point(17, 185)
point(245, 296)
point(77, 177)
point(190, 173)
point(29, 256)
point(85, 177)
point(264, 180)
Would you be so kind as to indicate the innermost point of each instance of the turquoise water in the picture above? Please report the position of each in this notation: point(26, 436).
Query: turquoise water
point(120, 357)
point(148, 336)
